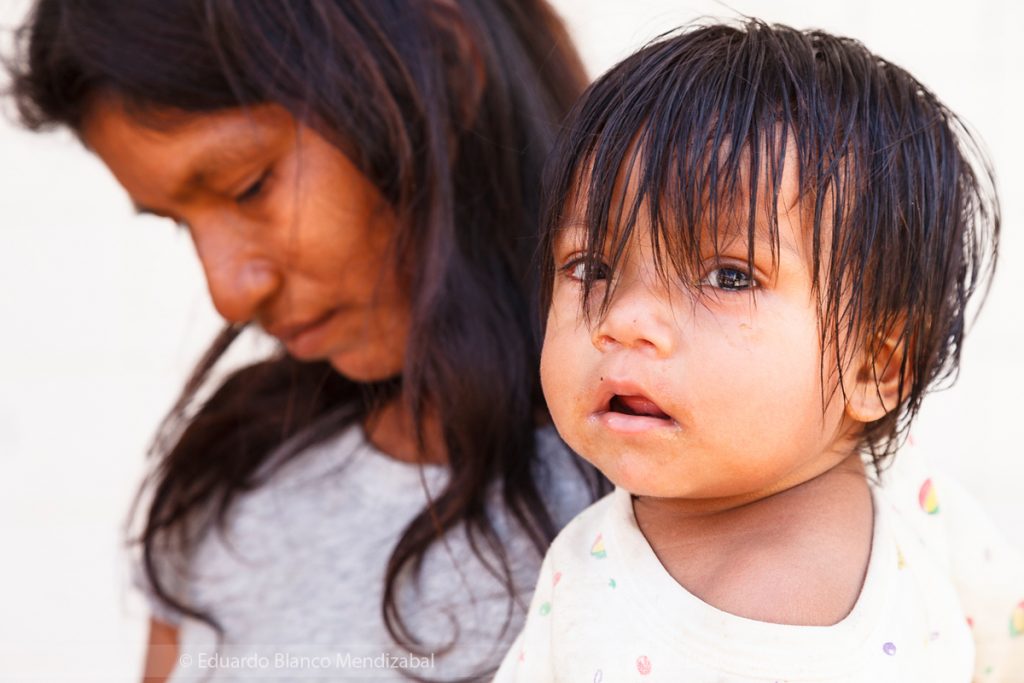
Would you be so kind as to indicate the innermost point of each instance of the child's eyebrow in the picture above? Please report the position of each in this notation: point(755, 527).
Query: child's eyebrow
point(762, 238)
point(573, 230)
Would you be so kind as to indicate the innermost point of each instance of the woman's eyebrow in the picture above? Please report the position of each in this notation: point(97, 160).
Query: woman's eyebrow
point(217, 151)
point(215, 160)
point(206, 164)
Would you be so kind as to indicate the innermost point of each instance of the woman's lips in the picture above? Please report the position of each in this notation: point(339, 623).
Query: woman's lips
point(305, 340)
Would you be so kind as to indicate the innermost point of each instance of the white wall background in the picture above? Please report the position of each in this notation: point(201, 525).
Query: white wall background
point(102, 314)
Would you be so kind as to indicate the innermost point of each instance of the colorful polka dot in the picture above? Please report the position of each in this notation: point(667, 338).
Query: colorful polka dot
point(901, 562)
point(889, 649)
point(545, 609)
point(643, 665)
point(611, 583)
point(598, 676)
point(1017, 621)
point(597, 549)
point(927, 498)
point(556, 578)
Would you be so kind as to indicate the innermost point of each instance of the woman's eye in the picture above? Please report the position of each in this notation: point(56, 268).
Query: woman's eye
point(254, 190)
point(729, 279)
point(586, 269)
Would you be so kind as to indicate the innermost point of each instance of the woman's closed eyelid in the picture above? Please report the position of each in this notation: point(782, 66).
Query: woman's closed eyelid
point(254, 188)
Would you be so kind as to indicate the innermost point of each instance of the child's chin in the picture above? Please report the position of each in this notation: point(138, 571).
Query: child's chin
point(638, 480)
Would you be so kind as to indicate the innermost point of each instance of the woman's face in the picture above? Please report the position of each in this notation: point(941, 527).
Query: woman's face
point(290, 234)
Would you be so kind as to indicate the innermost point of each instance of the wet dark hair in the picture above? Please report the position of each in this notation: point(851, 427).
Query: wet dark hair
point(699, 124)
point(449, 107)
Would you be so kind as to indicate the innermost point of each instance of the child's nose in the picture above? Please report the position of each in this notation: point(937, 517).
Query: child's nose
point(639, 317)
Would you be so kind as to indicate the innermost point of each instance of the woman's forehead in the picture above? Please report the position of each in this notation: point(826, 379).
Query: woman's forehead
point(162, 154)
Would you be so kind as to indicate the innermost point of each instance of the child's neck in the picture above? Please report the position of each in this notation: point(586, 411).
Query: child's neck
point(797, 556)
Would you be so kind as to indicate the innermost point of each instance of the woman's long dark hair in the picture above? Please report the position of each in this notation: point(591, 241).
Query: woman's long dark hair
point(449, 108)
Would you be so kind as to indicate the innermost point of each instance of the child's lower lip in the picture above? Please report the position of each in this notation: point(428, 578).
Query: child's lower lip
point(633, 424)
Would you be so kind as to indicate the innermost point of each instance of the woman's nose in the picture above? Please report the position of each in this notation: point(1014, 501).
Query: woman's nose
point(239, 277)
point(639, 317)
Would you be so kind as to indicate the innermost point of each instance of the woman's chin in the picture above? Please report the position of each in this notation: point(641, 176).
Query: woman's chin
point(365, 367)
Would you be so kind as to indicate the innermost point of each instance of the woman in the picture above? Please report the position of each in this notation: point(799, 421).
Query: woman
point(360, 179)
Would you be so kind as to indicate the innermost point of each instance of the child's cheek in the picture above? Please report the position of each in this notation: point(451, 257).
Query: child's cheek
point(560, 374)
point(741, 335)
point(756, 356)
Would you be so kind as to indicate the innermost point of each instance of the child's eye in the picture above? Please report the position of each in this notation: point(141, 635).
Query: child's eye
point(583, 269)
point(729, 279)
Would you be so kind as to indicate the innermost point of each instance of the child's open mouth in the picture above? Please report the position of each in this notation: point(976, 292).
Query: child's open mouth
point(637, 406)
point(634, 413)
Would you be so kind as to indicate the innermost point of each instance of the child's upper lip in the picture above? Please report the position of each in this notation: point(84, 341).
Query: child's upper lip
point(611, 387)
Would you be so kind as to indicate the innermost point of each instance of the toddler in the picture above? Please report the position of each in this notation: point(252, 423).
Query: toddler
point(760, 248)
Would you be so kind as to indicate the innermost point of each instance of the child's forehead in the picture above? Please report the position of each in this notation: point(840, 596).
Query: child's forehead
point(713, 217)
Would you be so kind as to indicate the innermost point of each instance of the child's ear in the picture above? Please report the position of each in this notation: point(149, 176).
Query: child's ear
point(875, 390)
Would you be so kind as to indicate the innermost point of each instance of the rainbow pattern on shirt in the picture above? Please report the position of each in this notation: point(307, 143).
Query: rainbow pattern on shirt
point(1017, 621)
point(597, 549)
point(927, 498)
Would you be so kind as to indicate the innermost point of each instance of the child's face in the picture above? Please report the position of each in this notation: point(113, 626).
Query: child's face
point(717, 397)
